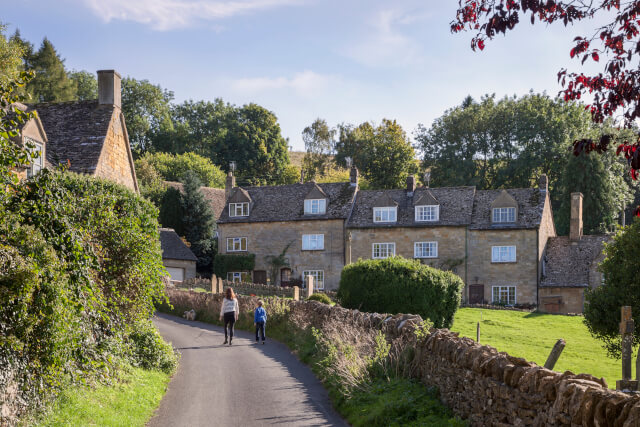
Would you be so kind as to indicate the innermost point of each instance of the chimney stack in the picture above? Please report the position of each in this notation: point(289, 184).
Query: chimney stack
point(544, 183)
point(301, 176)
point(109, 88)
point(354, 176)
point(575, 230)
point(411, 185)
point(229, 185)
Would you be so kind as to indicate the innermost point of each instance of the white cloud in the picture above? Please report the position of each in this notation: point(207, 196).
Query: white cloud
point(384, 44)
point(171, 14)
point(306, 84)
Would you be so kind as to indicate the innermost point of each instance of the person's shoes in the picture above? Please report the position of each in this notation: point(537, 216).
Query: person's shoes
point(229, 342)
point(262, 342)
point(225, 341)
point(257, 341)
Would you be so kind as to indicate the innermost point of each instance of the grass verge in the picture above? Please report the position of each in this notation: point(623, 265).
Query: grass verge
point(130, 402)
point(532, 336)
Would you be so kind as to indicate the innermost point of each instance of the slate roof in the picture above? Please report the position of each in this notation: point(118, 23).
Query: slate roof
point(173, 247)
point(76, 131)
point(456, 206)
point(286, 203)
point(567, 263)
point(530, 207)
point(215, 196)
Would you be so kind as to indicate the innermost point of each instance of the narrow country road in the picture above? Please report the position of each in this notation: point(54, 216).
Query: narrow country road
point(240, 385)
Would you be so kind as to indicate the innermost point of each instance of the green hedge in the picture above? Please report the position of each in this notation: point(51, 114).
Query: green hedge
point(223, 263)
point(398, 285)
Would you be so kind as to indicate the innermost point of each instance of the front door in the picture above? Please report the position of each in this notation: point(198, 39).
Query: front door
point(260, 276)
point(476, 294)
point(285, 276)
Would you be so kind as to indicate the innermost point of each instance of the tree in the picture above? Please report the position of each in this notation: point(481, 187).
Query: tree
point(51, 82)
point(622, 287)
point(174, 167)
point(318, 141)
point(603, 200)
point(171, 212)
point(146, 108)
point(11, 52)
point(383, 154)
point(85, 83)
point(615, 89)
point(198, 221)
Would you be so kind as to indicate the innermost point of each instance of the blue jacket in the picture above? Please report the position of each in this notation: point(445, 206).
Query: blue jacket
point(260, 315)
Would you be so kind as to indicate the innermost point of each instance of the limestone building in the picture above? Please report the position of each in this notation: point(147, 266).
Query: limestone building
point(90, 136)
point(177, 258)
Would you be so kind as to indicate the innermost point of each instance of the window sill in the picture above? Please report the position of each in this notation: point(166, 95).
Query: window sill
point(504, 262)
point(425, 257)
point(312, 250)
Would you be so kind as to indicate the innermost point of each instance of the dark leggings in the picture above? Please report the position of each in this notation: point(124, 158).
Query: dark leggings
point(230, 320)
point(260, 328)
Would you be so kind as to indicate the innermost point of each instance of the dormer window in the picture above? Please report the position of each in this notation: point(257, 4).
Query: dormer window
point(385, 214)
point(504, 214)
point(35, 157)
point(238, 209)
point(428, 213)
point(315, 206)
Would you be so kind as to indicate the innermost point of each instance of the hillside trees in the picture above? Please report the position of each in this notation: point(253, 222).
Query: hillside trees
point(174, 167)
point(318, 142)
point(51, 82)
point(11, 52)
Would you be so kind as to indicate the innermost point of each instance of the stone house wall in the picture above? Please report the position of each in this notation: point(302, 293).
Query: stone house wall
point(480, 384)
point(523, 274)
point(266, 239)
point(116, 162)
point(451, 244)
point(561, 300)
point(547, 230)
point(189, 266)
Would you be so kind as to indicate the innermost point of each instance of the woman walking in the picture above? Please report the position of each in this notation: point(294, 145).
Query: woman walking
point(229, 312)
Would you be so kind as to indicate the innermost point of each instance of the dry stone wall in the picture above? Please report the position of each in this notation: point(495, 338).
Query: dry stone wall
point(478, 383)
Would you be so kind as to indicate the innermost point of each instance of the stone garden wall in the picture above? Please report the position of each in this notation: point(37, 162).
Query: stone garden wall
point(477, 382)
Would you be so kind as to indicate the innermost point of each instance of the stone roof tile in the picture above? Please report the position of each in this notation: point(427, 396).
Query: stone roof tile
point(173, 247)
point(530, 207)
point(567, 262)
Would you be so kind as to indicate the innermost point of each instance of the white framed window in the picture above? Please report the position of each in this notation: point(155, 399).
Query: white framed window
point(503, 295)
point(35, 157)
point(428, 213)
point(425, 250)
point(504, 214)
point(383, 250)
point(318, 278)
point(239, 209)
point(503, 254)
point(315, 206)
point(236, 244)
point(239, 276)
point(312, 242)
point(386, 214)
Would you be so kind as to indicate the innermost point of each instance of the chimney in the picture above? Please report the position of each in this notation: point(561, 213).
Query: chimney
point(109, 88)
point(575, 230)
point(229, 185)
point(354, 176)
point(301, 176)
point(411, 185)
point(544, 183)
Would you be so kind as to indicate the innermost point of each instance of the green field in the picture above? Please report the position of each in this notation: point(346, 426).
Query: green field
point(532, 336)
point(131, 402)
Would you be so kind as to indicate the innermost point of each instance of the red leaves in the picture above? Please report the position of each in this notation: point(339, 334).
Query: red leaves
point(481, 44)
point(595, 56)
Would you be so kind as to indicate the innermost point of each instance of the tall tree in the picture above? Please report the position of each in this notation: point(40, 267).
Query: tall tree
point(146, 108)
point(615, 89)
point(198, 221)
point(11, 52)
point(51, 82)
point(383, 153)
point(318, 141)
point(86, 84)
point(174, 167)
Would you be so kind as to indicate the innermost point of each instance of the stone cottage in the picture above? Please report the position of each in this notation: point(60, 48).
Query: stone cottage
point(90, 137)
point(177, 258)
point(305, 221)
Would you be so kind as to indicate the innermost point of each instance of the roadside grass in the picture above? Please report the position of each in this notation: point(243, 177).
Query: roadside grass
point(533, 335)
point(130, 402)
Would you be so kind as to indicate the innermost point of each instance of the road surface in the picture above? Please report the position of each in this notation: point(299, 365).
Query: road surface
point(240, 385)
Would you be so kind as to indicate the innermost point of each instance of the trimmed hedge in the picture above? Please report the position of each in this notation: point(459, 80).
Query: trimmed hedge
point(323, 298)
point(223, 263)
point(398, 285)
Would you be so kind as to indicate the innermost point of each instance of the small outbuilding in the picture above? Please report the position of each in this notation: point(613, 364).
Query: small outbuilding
point(177, 258)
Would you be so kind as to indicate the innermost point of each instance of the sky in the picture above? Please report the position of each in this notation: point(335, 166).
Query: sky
point(343, 61)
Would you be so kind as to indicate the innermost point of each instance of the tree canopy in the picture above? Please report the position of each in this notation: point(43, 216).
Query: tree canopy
point(51, 82)
point(198, 221)
point(174, 167)
point(85, 83)
point(319, 142)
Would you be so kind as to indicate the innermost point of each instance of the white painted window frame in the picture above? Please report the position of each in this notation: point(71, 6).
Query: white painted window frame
point(388, 245)
point(499, 289)
point(315, 206)
point(418, 253)
point(504, 215)
point(243, 207)
point(502, 254)
point(240, 240)
point(316, 274)
point(313, 242)
point(427, 213)
point(36, 163)
point(388, 210)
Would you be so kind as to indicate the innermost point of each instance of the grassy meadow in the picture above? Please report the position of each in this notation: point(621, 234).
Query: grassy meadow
point(532, 336)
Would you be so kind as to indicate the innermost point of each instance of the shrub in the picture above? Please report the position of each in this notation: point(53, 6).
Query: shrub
point(150, 351)
point(398, 285)
point(323, 298)
point(223, 263)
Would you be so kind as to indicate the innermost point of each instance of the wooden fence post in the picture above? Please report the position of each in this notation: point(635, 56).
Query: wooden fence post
point(555, 354)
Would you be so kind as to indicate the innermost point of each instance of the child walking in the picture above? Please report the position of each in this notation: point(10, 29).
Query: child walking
point(260, 320)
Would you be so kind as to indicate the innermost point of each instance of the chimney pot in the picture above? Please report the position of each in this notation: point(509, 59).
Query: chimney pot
point(301, 176)
point(575, 229)
point(411, 184)
point(109, 88)
point(354, 176)
point(544, 182)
